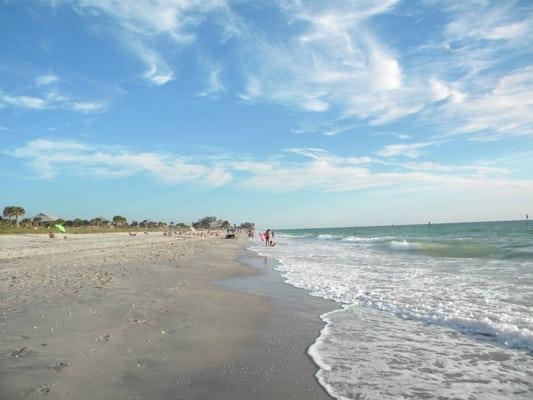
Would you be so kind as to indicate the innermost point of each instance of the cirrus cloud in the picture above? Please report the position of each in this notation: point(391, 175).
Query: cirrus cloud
point(295, 169)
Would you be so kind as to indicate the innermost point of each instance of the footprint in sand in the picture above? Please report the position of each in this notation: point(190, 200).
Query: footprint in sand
point(104, 338)
point(60, 367)
point(143, 363)
point(22, 352)
point(37, 393)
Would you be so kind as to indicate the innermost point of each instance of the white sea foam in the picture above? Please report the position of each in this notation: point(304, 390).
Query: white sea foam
point(327, 236)
point(288, 235)
point(455, 304)
point(365, 239)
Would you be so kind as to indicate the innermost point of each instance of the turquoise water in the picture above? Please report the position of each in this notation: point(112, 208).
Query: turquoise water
point(508, 239)
point(426, 311)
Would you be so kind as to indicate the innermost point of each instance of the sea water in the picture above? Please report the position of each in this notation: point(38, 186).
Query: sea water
point(442, 311)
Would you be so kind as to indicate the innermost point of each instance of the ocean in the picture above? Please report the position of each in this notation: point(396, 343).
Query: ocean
point(442, 311)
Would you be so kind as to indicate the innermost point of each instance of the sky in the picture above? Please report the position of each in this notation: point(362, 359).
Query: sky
point(288, 113)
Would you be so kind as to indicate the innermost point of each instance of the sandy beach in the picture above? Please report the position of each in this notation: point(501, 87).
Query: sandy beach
point(104, 316)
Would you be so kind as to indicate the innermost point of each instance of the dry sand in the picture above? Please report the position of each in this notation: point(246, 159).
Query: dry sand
point(109, 316)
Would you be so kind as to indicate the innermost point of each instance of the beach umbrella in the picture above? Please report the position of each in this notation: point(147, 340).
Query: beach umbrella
point(60, 227)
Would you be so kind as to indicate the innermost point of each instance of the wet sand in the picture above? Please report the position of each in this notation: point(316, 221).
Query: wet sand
point(115, 317)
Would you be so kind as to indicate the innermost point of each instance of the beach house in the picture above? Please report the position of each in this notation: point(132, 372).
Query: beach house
point(44, 219)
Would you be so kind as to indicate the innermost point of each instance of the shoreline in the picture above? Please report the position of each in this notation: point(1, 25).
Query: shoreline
point(293, 324)
point(129, 318)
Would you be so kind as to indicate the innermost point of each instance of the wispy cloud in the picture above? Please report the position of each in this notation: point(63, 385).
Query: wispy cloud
point(326, 172)
point(44, 80)
point(51, 100)
point(470, 75)
point(51, 158)
point(333, 62)
point(506, 110)
point(465, 78)
point(499, 21)
point(214, 85)
point(480, 73)
point(410, 150)
point(30, 102)
point(88, 106)
point(140, 24)
point(442, 91)
point(157, 72)
point(294, 170)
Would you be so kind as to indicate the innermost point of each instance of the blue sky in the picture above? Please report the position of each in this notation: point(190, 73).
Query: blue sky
point(289, 113)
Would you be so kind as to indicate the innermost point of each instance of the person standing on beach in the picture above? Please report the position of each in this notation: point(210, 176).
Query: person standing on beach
point(267, 238)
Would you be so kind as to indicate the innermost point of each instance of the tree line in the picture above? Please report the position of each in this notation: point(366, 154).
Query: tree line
point(12, 214)
point(215, 223)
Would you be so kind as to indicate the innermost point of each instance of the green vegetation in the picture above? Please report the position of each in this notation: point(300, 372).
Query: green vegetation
point(42, 224)
point(14, 212)
point(247, 225)
point(204, 223)
point(119, 220)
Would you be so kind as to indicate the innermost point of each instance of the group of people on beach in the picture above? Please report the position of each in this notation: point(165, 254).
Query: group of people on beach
point(268, 238)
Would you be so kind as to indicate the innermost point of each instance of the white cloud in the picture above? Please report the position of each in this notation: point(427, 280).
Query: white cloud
point(325, 172)
point(50, 158)
point(332, 62)
point(88, 106)
point(296, 169)
point(141, 23)
point(510, 31)
point(51, 100)
point(506, 110)
point(34, 103)
point(443, 91)
point(154, 74)
point(387, 72)
point(479, 169)
point(157, 72)
point(478, 83)
point(253, 89)
point(410, 150)
point(214, 85)
point(485, 21)
point(44, 80)
point(335, 129)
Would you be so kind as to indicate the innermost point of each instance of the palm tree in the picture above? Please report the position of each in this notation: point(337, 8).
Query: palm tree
point(119, 220)
point(8, 212)
point(14, 212)
point(96, 221)
point(19, 212)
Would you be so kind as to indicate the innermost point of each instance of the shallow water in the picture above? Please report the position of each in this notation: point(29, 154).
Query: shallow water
point(440, 311)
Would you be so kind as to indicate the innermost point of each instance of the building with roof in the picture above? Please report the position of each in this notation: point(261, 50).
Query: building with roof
point(44, 219)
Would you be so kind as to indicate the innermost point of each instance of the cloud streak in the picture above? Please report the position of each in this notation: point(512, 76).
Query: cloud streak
point(332, 59)
point(44, 80)
point(410, 150)
point(51, 158)
point(49, 101)
point(141, 27)
point(296, 169)
point(333, 62)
